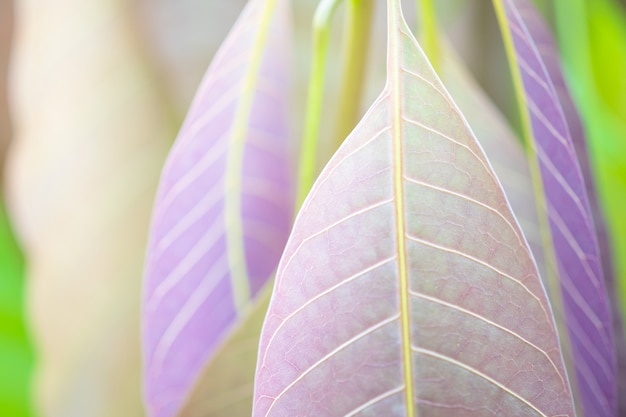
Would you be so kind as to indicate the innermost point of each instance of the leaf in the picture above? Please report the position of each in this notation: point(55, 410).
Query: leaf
point(226, 385)
point(586, 308)
point(605, 131)
point(502, 148)
point(91, 133)
point(406, 287)
point(224, 207)
point(549, 54)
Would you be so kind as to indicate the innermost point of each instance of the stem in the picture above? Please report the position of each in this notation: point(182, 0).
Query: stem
point(356, 41)
point(541, 203)
point(428, 31)
point(321, 29)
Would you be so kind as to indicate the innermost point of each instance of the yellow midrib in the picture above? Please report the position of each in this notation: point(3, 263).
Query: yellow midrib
point(234, 167)
point(395, 18)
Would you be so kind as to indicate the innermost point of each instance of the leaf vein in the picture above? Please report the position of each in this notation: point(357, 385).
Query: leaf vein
point(479, 374)
point(485, 264)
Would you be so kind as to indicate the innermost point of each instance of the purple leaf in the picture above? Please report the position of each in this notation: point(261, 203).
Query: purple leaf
point(224, 388)
point(586, 307)
point(406, 287)
point(549, 53)
point(224, 206)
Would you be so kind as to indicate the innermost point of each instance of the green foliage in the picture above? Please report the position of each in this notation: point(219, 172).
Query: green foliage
point(16, 356)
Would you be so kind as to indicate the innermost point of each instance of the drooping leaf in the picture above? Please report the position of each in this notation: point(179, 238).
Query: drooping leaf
point(406, 287)
point(550, 56)
point(577, 21)
point(586, 310)
point(91, 134)
point(224, 207)
point(590, 57)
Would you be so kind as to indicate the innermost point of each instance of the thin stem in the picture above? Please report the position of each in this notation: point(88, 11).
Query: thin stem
point(321, 29)
point(428, 31)
point(356, 41)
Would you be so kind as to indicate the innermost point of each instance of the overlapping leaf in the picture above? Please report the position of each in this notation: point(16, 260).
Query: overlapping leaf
point(591, 40)
point(586, 308)
point(406, 287)
point(224, 207)
point(549, 54)
point(226, 385)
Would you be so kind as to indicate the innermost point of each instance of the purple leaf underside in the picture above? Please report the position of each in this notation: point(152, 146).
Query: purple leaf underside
point(224, 207)
point(406, 287)
point(549, 54)
point(586, 307)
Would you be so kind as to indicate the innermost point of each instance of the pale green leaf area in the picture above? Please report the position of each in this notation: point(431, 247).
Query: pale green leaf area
point(16, 356)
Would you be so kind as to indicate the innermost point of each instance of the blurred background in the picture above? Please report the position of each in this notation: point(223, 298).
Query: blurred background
point(92, 94)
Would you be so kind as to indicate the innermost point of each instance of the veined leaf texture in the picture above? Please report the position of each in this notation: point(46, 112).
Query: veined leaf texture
point(224, 207)
point(407, 287)
point(585, 309)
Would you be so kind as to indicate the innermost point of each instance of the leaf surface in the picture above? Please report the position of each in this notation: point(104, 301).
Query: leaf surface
point(226, 385)
point(502, 148)
point(224, 207)
point(406, 287)
point(585, 303)
point(550, 55)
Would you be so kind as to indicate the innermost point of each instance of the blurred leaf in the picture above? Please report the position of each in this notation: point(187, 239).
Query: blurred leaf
point(16, 357)
point(224, 208)
point(585, 63)
point(406, 287)
point(550, 55)
point(91, 136)
point(226, 384)
point(607, 33)
point(586, 311)
point(606, 126)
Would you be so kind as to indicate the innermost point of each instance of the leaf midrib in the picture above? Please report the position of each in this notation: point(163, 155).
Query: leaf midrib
point(395, 17)
point(234, 170)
